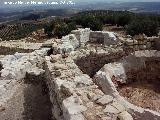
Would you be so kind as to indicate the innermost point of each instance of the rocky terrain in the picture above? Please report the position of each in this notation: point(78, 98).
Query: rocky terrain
point(86, 75)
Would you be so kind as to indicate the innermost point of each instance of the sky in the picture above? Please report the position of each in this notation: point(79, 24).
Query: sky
point(91, 0)
point(77, 1)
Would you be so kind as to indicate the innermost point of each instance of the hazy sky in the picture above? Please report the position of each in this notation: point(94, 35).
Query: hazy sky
point(90, 0)
point(78, 1)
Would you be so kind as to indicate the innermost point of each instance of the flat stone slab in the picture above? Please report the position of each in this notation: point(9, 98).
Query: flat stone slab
point(105, 100)
point(125, 116)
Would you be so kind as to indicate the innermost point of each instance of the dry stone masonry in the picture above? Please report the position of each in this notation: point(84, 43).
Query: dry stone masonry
point(86, 75)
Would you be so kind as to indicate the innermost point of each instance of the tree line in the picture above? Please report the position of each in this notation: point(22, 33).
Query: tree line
point(133, 23)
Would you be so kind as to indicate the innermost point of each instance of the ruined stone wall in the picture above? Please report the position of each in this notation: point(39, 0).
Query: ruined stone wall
point(82, 35)
point(141, 67)
point(74, 96)
point(97, 37)
point(149, 73)
point(148, 43)
point(79, 38)
point(68, 43)
point(14, 69)
point(156, 44)
point(103, 37)
point(92, 63)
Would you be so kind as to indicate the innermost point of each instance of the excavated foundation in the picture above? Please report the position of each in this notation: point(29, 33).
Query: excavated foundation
point(75, 80)
point(142, 82)
point(135, 78)
point(24, 94)
point(142, 85)
point(12, 51)
point(92, 63)
point(30, 102)
point(37, 99)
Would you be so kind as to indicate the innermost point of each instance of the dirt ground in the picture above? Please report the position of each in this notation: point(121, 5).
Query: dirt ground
point(11, 51)
point(143, 95)
point(119, 30)
point(28, 103)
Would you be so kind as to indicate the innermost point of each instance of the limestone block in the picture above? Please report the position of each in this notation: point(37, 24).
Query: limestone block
point(106, 99)
point(35, 71)
point(82, 35)
point(111, 109)
point(71, 107)
point(103, 37)
point(125, 116)
point(83, 80)
point(118, 106)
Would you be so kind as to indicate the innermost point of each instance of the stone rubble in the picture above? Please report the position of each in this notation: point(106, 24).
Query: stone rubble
point(73, 93)
point(80, 37)
point(16, 67)
point(113, 74)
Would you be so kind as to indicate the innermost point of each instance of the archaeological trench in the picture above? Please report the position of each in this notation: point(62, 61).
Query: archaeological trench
point(86, 75)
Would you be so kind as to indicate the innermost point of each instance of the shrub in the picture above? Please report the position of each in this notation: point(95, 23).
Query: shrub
point(59, 28)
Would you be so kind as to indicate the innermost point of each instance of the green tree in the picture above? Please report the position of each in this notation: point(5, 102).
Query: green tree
point(146, 26)
point(48, 28)
point(123, 19)
point(92, 22)
point(59, 28)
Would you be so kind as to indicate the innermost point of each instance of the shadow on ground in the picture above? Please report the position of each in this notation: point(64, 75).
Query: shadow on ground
point(36, 104)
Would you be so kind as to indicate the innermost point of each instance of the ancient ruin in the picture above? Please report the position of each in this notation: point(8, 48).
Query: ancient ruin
point(86, 75)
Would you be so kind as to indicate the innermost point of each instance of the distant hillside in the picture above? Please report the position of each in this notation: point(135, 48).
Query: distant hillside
point(36, 14)
point(10, 14)
point(152, 7)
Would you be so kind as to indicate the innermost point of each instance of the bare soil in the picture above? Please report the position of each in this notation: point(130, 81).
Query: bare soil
point(11, 51)
point(143, 95)
point(28, 103)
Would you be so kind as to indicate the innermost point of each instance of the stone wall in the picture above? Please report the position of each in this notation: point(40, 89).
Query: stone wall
point(69, 43)
point(149, 72)
point(73, 93)
point(14, 69)
point(92, 63)
point(156, 44)
point(74, 96)
point(79, 38)
point(103, 37)
point(82, 35)
point(113, 75)
point(15, 66)
point(147, 43)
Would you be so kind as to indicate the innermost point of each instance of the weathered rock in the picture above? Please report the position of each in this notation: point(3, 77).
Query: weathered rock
point(60, 67)
point(83, 80)
point(106, 99)
point(118, 106)
point(2, 109)
point(111, 109)
point(125, 116)
point(103, 37)
point(55, 58)
point(82, 35)
point(73, 107)
point(66, 91)
point(57, 73)
point(35, 71)
point(16, 66)
point(69, 43)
